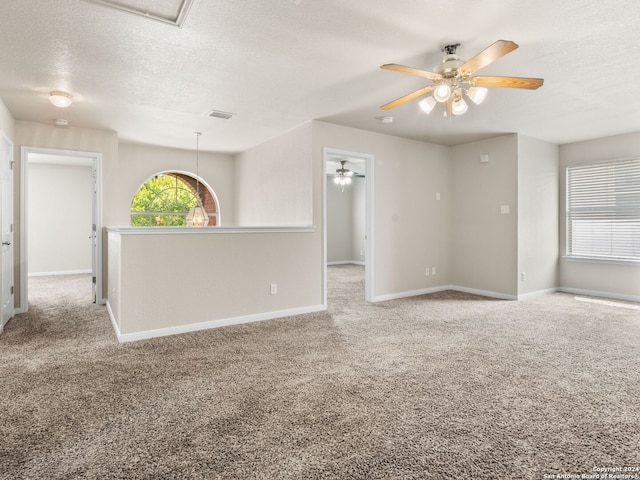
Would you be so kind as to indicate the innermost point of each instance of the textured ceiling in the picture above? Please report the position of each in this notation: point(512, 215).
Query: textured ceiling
point(277, 64)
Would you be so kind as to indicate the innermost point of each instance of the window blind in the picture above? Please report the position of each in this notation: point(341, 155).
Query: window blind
point(603, 210)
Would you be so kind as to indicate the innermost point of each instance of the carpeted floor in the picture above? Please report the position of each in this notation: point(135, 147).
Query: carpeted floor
point(442, 386)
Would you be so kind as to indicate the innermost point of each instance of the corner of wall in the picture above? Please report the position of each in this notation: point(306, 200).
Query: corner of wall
point(7, 123)
point(538, 212)
point(485, 215)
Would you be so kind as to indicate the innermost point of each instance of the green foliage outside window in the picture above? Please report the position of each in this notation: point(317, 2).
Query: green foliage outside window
point(162, 201)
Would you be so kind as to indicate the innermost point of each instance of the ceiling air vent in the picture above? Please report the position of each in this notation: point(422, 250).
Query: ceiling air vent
point(219, 114)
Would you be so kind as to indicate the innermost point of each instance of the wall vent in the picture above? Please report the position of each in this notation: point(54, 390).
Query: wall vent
point(219, 114)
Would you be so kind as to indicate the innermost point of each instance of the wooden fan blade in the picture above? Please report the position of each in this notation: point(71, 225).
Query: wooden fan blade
point(488, 55)
point(509, 82)
point(407, 97)
point(412, 71)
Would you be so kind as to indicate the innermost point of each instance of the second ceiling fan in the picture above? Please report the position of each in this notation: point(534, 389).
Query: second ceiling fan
point(454, 77)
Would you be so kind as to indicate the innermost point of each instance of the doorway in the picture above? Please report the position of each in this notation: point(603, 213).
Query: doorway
point(361, 243)
point(61, 201)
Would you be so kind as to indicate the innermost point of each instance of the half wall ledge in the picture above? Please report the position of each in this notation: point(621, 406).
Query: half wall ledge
point(209, 230)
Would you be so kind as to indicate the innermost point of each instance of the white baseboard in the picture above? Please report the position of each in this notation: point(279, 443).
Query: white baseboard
point(114, 322)
point(484, 293)
point(504, 296)
point(194, 327)
point(538, 293)
point(62, 272)
point(348, 262)
point(411, 293)
point(595, 293)
point(161, 332)
point(442, 288)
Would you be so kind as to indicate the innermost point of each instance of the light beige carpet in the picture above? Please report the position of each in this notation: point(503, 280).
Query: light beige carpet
point(443, 386)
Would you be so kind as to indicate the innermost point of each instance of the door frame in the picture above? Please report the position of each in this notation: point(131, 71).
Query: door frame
point(97, 254)
point(6, 142)
point(369, 248)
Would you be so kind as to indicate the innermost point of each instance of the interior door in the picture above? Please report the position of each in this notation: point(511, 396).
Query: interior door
point(6, 154)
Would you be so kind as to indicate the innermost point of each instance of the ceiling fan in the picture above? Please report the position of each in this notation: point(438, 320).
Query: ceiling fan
point(343, 175)
point(454, 77)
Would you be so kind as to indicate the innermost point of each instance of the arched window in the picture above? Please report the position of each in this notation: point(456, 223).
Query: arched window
point(165, 199)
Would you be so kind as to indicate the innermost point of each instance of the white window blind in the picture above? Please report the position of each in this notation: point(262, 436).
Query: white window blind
point(603, 210)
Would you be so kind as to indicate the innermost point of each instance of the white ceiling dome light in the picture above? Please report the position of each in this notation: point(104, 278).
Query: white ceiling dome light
point(60, 99)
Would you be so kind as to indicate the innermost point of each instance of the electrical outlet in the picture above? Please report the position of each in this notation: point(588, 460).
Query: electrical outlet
point(437, 195)
point(523, 276)
point(427, 272)
point(433, 270)
point(274, 289)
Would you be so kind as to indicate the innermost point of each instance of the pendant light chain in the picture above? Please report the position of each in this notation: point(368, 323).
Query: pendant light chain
point(197, 134)
point(197, 216)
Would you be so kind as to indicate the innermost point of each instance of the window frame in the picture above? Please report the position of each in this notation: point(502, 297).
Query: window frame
point(632, 213)
point(180, 173)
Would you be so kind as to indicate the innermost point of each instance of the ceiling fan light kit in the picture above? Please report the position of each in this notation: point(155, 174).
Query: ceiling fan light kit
point(459, 106)
point(427, 104)
point(343, 175)
point(477, 94)
point(442, 93)
point(454, 79)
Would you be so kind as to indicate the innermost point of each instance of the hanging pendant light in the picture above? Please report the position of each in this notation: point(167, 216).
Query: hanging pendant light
point(197, 216)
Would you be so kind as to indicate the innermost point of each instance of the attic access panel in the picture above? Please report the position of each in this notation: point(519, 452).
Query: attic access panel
point(173, 12)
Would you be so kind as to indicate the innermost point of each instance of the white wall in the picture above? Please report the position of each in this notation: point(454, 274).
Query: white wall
point(274, 181)
point(346, 210)
point(7, 124)
point(538, 215)
point(230, 271)
point(59, 218)
point(359, 207)
point(485, 242)
point(339, 222)
point(138, 162)
point(602, 278)
point(412, 227)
